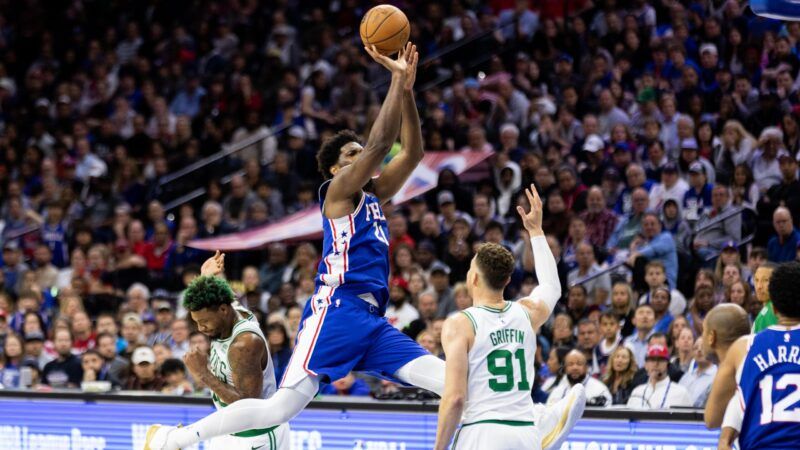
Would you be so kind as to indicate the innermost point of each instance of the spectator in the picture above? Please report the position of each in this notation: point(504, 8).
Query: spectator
point(699, 376)
point(659, 392)
point(598, 288)
point(702, 303)
point(65, 371)
point(655, 244)
point(555, 368)
point(766, 169)
point(576, 370)
point(619, 377)
point(400, 312)
point(698, 198)
point(164, 318)
point(428, 308)
point(174, 373)
point(672, 187)
point(630, 225)
point(34, 349)
point(683, 349)
point(711, 232)
point(644, 320)
point(600, 221)
point(83, 336)
point(737, 148)
point(786, 193)
point(11, 362)
point(783, 245)
point(608, 342)
point(145, 376)
point(656, 277)
point(116, 366)
point(623, 307)
point(95, 369)
point(180, 338)
point(279, 348)
point(13, 267)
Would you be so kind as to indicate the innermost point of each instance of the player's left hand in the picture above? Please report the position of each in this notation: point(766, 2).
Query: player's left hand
point(396, 66)
point(196, 361)
point(412, 57)
point(213, 266)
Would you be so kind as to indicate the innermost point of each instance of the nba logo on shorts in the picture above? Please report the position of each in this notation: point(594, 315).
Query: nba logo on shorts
point(777, 9)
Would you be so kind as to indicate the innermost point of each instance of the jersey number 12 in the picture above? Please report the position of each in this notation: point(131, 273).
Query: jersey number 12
point(780, 412)
point(505, 370)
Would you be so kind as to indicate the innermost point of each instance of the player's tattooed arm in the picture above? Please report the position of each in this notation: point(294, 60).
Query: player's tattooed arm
point(246, 356)
point(724, 386)
point(395, 174)
point(457, 337)
point(349, 180)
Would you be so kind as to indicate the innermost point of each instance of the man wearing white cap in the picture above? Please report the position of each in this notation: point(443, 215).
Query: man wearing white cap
point(594, 149)
point(145, 376)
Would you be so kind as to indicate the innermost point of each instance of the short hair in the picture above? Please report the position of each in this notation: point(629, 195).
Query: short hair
point(782, 287)
point(92, 351)
point(759, 252)
point(328, 154)
point(172, 365)
point(655, 336)
point(655, 263)
point(207, 291)
point(496, 265)
point(588, 321)
point(608, 314)
point(105, 335)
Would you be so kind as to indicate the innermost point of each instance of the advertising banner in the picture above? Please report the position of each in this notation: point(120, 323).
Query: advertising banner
point(33, 424)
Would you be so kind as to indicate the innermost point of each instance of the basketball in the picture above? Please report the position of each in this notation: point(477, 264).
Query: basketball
point(385, 27)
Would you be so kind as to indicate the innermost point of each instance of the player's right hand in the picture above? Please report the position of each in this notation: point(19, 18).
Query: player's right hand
point(213, 266)
point(532, 220)
point(396, 66)
point(412, 57)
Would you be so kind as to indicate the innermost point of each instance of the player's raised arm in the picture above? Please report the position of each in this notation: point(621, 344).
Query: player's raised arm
point(395, 174)
point(724, 386)
point(456, 336)
point(350, 179)
point(543, 298)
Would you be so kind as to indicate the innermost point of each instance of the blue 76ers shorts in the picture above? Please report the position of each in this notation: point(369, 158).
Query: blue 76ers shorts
point(340, 333)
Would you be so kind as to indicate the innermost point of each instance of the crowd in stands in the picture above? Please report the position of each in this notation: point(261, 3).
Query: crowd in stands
point(663, 137)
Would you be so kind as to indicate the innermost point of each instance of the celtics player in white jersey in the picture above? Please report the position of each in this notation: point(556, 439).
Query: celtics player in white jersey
point(239, 364)
point(490, 350)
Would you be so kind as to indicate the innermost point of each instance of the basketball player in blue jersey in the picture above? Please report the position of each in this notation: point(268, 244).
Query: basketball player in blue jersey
point(343, 328)
point(761, 372)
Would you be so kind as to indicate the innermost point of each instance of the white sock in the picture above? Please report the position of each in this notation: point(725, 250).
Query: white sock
point(426, 372)
point(247, 414)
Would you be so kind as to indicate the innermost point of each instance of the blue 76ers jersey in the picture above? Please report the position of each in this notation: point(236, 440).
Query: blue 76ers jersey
point(355, 258)
point(769, 390)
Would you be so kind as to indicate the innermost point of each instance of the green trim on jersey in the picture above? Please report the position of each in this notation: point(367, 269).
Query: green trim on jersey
point(496, 310)
point(512, 423)
point(257, 432)
point(455, 440)
point(471, 319)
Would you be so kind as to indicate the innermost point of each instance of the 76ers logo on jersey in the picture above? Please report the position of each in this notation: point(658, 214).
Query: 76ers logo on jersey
point(375, 213)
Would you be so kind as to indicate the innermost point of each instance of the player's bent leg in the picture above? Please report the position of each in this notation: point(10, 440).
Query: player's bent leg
point(425, 371)
point(556, 421)
point(247, 414)
point(497, 436)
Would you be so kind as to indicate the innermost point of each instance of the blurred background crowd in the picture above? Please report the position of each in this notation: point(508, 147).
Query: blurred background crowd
point(663, 137)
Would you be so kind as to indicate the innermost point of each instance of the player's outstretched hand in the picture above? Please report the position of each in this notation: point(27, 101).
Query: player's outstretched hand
point(532, 220)
point(412, 57)
point(213, 266)
point(396, 66)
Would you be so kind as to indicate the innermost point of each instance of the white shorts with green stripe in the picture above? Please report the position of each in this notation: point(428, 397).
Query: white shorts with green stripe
point(497, 435)
point(268, 439)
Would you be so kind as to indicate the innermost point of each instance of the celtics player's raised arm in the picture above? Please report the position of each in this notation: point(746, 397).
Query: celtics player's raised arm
point(543, 298)
point(349, 179)
point(724, 386)
point(395, 174)
point(457, 338)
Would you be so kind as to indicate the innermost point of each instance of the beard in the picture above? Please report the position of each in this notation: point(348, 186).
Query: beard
point(573, 380)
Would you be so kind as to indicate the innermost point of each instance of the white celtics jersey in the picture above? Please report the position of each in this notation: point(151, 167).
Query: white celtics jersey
point(500, 365)
point(218, 358)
